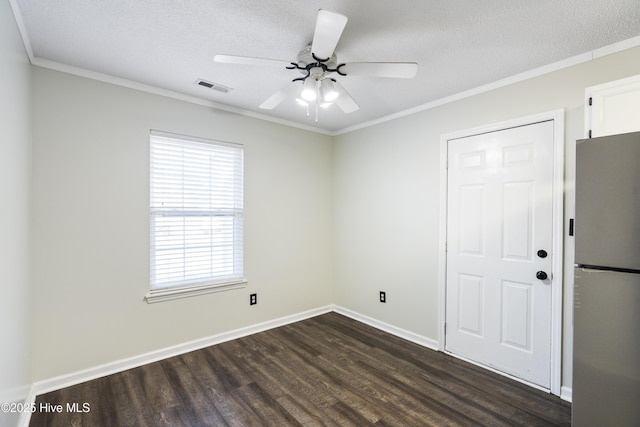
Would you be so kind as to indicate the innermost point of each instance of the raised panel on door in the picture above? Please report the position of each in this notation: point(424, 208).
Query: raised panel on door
point(471, 223)
point(517, 226)
point(516, 315)
point(470, 304)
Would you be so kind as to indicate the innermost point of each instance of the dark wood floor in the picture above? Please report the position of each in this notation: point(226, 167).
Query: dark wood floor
point(325, 371)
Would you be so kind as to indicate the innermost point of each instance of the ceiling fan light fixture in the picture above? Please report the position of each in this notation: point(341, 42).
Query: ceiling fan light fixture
point(328, 90)
point(309, 89)
point(317, 60)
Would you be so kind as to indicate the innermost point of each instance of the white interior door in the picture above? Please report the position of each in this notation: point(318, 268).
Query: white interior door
point(499, 218)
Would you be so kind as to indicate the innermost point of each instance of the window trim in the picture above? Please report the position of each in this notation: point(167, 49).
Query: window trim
point(188, 290)
point(167, 294)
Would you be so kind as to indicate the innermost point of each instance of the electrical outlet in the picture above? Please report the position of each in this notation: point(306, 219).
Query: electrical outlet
point(253, 299)
point(383, 296)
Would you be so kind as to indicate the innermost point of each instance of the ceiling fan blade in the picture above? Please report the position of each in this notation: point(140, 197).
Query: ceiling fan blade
point(247, 60)
point(287, 91)
point(329, 28)
point(405, 70)
point(344, 100)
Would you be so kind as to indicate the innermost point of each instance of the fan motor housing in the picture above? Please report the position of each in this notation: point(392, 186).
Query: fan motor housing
point(305, 58)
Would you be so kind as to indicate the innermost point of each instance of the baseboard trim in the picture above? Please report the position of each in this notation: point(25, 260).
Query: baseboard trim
point(57, 383)
point(565, 392)
point(25, 417)
point(393, 330)
point(67, 380)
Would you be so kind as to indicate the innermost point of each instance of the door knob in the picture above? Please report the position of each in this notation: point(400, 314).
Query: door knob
point(542, 253)
point(541, 275)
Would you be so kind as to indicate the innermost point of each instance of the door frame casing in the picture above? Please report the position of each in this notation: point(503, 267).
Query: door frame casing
point(557, 269)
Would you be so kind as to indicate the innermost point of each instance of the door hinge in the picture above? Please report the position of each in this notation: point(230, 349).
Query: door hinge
point(445, 328)
point(589, 133)
point(590, 101)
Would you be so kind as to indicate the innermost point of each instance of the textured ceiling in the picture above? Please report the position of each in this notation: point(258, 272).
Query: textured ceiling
point(458, 44)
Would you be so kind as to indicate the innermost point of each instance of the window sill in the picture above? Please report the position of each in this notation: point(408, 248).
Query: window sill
point(161, 295)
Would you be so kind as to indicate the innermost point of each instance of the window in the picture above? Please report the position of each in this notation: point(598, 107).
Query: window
point(196, 216)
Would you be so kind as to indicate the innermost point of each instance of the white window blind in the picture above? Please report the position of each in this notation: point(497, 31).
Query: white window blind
point(196, 212)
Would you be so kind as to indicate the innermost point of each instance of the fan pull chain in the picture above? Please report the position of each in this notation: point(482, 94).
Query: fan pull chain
point(317, 99)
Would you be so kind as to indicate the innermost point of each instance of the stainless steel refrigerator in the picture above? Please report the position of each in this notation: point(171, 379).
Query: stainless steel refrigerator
point(606, 341)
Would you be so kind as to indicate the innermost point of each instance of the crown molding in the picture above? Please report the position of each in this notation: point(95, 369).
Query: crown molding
point(536, 72)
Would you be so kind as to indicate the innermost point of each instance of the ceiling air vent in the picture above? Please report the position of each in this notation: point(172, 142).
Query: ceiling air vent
point(213, 86)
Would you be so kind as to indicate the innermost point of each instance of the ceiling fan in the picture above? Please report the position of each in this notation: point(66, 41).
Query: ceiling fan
point(318, 62)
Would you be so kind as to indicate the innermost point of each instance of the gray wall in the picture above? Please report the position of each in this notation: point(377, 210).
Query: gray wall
point(15, 152)
point(387, 190)
point(90, 210)
point(327, 219)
